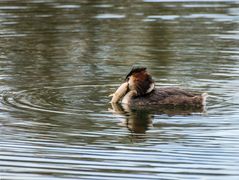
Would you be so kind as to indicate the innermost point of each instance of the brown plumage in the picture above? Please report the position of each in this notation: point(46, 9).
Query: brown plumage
point(169, 97)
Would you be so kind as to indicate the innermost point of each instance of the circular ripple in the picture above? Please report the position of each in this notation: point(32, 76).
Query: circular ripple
point(62, 100)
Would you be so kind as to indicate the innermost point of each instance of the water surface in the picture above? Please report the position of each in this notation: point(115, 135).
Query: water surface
point(59, 61)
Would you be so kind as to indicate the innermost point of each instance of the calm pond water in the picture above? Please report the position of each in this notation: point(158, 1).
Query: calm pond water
point(59, 61)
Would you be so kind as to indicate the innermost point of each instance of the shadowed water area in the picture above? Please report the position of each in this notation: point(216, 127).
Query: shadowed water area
point(59, 61)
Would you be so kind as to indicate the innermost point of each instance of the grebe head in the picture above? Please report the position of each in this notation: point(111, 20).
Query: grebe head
point(140, 80)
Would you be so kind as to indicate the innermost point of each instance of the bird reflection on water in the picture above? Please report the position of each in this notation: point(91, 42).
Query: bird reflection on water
point(138, 119)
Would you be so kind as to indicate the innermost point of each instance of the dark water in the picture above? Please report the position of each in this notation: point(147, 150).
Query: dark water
point(59, 61)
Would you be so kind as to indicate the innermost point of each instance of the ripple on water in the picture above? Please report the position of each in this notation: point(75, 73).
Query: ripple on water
point(115, 162)
point(78, 141)
point(62, 100)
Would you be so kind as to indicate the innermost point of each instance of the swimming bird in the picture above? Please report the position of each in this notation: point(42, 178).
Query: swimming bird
point(139, 89)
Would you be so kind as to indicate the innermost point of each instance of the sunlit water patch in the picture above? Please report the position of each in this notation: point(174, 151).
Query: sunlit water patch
point(110, 16)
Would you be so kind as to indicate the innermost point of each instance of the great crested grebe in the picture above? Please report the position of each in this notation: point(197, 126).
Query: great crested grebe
point(139, 89)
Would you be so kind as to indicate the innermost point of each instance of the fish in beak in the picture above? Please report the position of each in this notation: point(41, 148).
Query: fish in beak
point(119, 93)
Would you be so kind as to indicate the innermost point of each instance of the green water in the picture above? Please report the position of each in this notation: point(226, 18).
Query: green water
point(59, 61)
